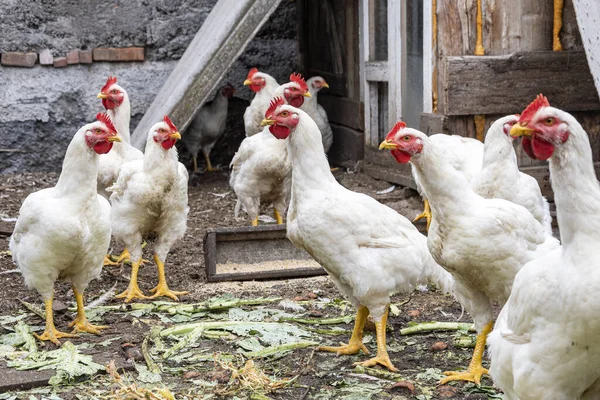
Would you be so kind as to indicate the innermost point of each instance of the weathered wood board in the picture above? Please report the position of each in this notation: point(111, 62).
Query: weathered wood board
point(506, 84)
point(222, 38)
point(252, 245)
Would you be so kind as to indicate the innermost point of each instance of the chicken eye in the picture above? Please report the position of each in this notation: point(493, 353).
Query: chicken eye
point(549, 121)
point(284, 114)
point(114, 91)
point(98, 130)
point(406, 138)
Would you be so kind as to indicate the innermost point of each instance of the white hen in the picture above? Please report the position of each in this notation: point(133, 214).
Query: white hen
point(369, 250)
point(500, 177)
point(150, 198)
point(263, 85)
point(482, 242)
point(260, 169)
point(116, 101)
point(545, 344)
point(317, 112)
point(465, 155)
point(64, 232)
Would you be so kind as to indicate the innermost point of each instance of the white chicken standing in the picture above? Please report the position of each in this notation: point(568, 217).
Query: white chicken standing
point(369, 250)
point(150, 198)
point(263, 85)
point(64, 232)
point(482, 242)
point(207, 126)
point(545, 344)
point(116, 101)
point(500, 177)
point(260, 169)
point(464, 154)
point(317, 112)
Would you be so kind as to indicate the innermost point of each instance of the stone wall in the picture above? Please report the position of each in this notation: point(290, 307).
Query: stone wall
point(42, 107)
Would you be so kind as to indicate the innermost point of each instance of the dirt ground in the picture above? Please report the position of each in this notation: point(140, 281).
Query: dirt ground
point(316, 375)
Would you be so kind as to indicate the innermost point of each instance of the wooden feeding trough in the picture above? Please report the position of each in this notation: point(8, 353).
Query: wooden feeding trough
point(249, 253)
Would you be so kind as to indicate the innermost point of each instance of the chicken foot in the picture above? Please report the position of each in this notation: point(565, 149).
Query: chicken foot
point(81, 323)
point(124, 257)
point(356, 340)
point(162, 289)
point(425, 214)
point(278, 217)
point(382, 357)
point(50, 333)
point(475, 369)
point(133, 291)
point(255, 221)
point(209, 166)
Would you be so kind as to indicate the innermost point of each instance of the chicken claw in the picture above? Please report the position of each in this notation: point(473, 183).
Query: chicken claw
point(162, 289)
point(107, 261)
point(382, 357)
point(352, 347)
point(50, 333)
point(381, 360)
point(425, 214)
point(133, 291)
point(475, 370)
point(81, 323)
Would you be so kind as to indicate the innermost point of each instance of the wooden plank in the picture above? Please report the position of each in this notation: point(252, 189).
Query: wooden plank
point(343, 111)
point(381, 165)
point(431, 124)
point(376, 71)
point(396, 55)
point(588, 20)
point(279, 274)
point(427, 56)
point(222, 38)
point(348, 146)
point(506, 84)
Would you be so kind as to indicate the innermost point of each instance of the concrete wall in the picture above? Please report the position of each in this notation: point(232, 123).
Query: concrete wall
point(41, 108)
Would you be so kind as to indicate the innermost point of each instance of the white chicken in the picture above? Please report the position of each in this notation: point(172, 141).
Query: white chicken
point(263, 85)
point(64, 232)
point(464, 154)
point(500, 177)
point(150, 198)
point(369, 250)
point(260, 169)
point(116, 101)
point(545, 344)
point(482, 242)
point(317, 112)
point(207, 126)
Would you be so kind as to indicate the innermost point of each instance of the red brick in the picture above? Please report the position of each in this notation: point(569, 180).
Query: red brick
point(116, 55)
point(73, 57)
point(85, 56)
point(16, 59)
point(60, 62)
point(46, 57)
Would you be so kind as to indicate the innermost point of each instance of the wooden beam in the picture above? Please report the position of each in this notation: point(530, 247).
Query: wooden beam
point(222, 38)
point(343, 111)
point(376, 71)
point(506, 84)
point(588, 20)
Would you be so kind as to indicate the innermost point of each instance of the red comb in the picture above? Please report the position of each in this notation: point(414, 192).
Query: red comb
point(297, 78)
point(168, 121)
point(276, 102)
point(105, 119)
point(399, 125)
point(251, 73)
point(539, 102)
point(109, 82)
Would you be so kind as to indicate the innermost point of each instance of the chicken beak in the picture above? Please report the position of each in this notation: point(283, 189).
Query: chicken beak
point(247, 82)
point(102, 96)
point(175, 135)
point(520, 130)
point(114, 138)
point(307, 94)
point(325, 85)
point(387, 145)
point(267, 122)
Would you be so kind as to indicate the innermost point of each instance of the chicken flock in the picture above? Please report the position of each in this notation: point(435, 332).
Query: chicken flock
point(489, 235)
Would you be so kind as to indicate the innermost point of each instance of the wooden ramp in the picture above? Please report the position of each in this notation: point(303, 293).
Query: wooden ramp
point(222, 38)
point(588, 19)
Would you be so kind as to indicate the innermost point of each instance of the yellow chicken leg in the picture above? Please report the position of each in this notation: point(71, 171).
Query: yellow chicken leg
point(278, 218)
point(50, 333)
point(255, 222)
point(356, 340)
point(133, 291)
point(209, 166)
point(425, 214)
point(195, 163)
point(382, 357)
point(558, 22)
point(162, 289)
point(475, 369)
point(81, 323)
